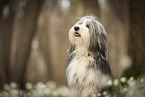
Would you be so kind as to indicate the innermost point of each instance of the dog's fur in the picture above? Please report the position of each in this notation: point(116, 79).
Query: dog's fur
point(88, 62)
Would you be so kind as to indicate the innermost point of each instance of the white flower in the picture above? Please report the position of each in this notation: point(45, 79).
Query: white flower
point(142, 80)
point(123, 79)
point(13, 85)
point(125, 89)
point(7, 87)
point(93, 95)
point(104, 80)
point(55, 93)
point(132, 84)
point(131, 78)
point(99, 94)
point(109, 83)
point(64, 91)
point(40, 85)
point(51, 85)
point(104, 93)
point(14, 93)
point(29, 86)
point(46, 91)
point(116, 82)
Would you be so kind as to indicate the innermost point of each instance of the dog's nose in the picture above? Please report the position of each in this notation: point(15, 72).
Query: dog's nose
point(76, 28)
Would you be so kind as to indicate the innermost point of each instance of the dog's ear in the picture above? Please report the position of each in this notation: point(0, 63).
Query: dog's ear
point(103, 41)
point(98, 43)
point(103, 44)
point(71, 49)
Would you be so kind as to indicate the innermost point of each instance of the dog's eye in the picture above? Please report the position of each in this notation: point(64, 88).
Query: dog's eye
point(88, 26)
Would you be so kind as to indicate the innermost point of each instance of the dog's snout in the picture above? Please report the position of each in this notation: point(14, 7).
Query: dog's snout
point(76, 28)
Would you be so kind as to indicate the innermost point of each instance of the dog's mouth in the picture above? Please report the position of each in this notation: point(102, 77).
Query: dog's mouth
point(77, 34)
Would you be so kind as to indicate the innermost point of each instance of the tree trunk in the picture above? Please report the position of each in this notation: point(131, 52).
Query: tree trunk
point(24, 40)
point(8, 10)
point(136, 45)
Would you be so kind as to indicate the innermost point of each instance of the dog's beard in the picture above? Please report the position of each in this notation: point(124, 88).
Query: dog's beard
point(80, 38)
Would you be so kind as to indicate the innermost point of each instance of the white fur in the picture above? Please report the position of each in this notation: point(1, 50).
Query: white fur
point(84, 40)
point(88, 79)
point(83, 80)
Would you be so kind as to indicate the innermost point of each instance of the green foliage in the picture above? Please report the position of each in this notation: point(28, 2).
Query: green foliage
point(122, 87)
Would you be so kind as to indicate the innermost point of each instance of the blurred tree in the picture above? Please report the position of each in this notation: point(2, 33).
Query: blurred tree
point(14, 70)
point(114, 16)
point(8, 9)
point(86, 7)
point(91, 7)
point(24, 40)
point(43, 51)
point(136, 45)
point(124, 22)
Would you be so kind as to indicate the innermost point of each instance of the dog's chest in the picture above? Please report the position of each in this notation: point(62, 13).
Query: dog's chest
point(78, 73)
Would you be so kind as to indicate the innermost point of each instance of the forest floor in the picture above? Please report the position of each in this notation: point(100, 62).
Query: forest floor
point(122, 87)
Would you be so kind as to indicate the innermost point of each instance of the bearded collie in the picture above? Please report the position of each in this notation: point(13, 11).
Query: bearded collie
point(88, 68)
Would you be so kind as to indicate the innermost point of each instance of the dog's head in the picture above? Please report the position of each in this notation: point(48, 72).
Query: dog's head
point(90, 34)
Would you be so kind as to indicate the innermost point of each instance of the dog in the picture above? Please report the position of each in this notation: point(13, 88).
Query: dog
point(88, 62)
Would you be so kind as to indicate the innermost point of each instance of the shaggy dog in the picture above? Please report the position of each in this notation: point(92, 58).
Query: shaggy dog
point(88, 66)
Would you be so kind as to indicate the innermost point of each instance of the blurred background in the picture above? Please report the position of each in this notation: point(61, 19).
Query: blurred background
point(34, 37)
